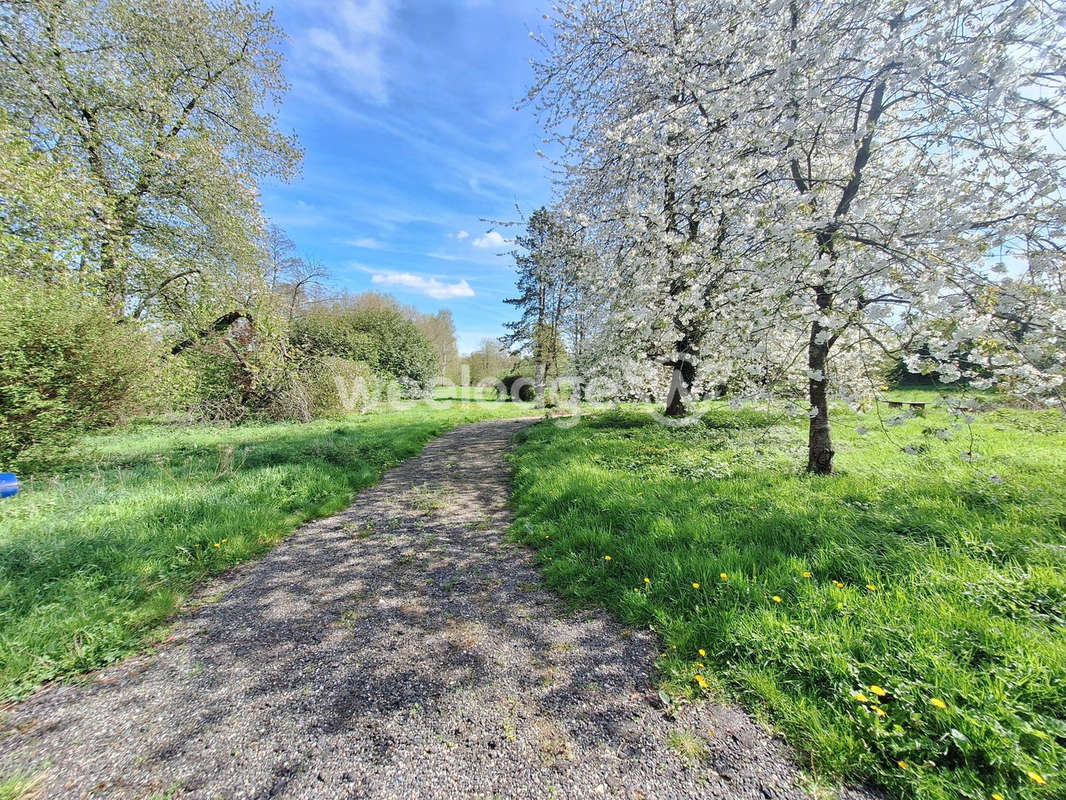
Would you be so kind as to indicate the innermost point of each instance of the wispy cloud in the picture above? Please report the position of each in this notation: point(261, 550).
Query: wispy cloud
point(462, 235)
point(367, 243)
point(431, 287)
point(353, 46)
point(492, 239)
point(444, 256)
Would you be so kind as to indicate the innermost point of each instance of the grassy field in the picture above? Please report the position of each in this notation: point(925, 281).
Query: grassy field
point(93, 559)
point(903, 622)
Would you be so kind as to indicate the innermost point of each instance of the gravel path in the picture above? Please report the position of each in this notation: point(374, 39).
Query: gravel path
point(403, 648)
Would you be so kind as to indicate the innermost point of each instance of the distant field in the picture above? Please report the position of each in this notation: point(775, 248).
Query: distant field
point(92, 559)
point(902, 622)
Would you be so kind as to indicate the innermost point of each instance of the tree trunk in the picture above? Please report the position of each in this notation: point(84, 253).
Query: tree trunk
point(819, 441)
point(540, 382)
point(680, 384)
point(113, 274)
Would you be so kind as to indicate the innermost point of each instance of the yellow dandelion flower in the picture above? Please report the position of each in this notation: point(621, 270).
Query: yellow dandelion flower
point(838, 584)
point(806, 574)
point(902, 764)
point(997, 796)
point(663, 655)
point(878, 690)
point(777, 599)
point(879, 711)
point(861, 698)
point(606, 558)
point(647, 581)
point(724, 576)
point(701, 681)
point(637, 591)
point(871, 587)
point(702, 652)
point(695, 586)
point(218, 544)
point(1036, 778)
point(936, 702)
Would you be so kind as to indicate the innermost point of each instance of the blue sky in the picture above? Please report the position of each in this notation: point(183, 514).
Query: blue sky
point(406, 111)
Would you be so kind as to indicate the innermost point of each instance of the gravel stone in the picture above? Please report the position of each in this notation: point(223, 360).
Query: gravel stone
point(401, 649)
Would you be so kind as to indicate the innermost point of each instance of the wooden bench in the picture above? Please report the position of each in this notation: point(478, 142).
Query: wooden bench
point(917, 408)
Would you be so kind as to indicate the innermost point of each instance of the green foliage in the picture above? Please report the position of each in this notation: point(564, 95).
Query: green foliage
point(439, 330)
point(389, 343)
point(547, 259)
point(65, 367)
point(241, 365)
point(526, 392)
point(338, 386)
point(925, 576)
point(489, 362)
point(93, 559)
point(18, 788)
point(211, 384)
point(168, 134)
point(44, 202)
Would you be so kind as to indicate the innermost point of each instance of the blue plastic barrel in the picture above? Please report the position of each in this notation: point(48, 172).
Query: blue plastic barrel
point(9, 485)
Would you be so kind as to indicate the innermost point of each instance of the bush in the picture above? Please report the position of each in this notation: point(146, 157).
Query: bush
point(212, 385)
point(334, 386)
point(383, 339)
point(526, 392)
point(244, 371)
point(65, 366)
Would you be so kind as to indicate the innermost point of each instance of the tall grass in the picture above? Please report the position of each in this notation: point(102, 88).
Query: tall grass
point(95, 557)
point(903, 622)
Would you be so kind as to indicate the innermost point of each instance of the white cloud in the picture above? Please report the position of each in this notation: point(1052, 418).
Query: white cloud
point(444, 256)
point(431, 287)
point(490, 240)
point(352, 46)
point(461, 235)
point(367, 243)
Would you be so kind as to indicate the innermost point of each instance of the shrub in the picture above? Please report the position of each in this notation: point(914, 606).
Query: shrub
point(243, 370)
point(65, 366)
point(215, 386)
point(390, 344)
point(333, 386)
point(526, 392)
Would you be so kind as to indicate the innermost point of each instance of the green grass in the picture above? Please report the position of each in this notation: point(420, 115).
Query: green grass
point(94, 559)
point(18, 788)
point(466, 393)
point(965, 563)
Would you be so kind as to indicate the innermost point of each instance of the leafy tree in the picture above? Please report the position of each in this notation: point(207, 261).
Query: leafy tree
point(44, 208)
point(490, 361)
point(634, 185)
point(545, 259)
point(439, 330)
point(163, 108)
